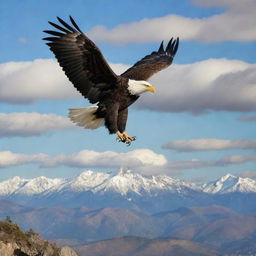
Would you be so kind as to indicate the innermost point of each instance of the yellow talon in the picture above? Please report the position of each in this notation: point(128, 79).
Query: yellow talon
point(128, 138)
point(124, 137)
point(120, 136)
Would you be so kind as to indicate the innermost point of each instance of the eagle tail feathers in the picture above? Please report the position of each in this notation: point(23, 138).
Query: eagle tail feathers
point(85, 117)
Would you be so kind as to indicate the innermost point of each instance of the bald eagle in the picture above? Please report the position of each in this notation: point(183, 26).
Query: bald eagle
point(87, 69)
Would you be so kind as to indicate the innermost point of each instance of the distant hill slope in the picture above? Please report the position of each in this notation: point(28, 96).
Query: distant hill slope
point(135, 246)
point(211, 225)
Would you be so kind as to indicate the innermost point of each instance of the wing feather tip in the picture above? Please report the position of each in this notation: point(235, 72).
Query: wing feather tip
point(169, 46)
point(172, 47)
point(58, 18)
point(74, 23)
point(161, 48)
point(176, 46)
point(65, 24)
point(46, 39)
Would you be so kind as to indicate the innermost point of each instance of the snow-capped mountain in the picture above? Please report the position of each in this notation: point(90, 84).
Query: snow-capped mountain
point(22, 186)
point(86, 181)
point(127, 181)
point(130, 190)
point(124, 182)
point(10, 186)
point(38, 185)
point(230, 183)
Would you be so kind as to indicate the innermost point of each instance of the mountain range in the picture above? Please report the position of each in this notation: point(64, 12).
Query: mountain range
point(123, 182)
point(215, 228)
point(97, 209)
point(130, 190)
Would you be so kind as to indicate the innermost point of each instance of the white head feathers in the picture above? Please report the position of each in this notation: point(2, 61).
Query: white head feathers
point(137, 87)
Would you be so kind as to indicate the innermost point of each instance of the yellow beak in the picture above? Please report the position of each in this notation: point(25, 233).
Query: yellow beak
point(151, 89)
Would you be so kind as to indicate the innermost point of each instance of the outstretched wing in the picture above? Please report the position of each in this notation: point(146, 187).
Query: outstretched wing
point(153, 63)
point(81, 60)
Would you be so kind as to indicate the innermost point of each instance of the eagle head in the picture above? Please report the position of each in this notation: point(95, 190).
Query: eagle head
point(137, 87)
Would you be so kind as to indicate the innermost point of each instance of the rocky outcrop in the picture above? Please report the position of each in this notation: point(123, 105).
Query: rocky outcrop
point(14, 249)
point(67, 251)
point(15, 242)
point(7, 249)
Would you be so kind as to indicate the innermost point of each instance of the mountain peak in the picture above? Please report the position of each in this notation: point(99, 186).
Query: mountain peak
point(8, 187)
point(124, 171)
point(230, 183)
point(127, 181)
point(38, 185)
point(228, 176)
point(86, 180)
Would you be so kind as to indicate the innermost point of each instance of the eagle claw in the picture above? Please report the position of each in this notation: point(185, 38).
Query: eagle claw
point(125, 138)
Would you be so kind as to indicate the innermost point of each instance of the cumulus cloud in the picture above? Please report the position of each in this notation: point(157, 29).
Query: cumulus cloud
point(30, 124)
point(87, 158)
point(214, 84)
point(8, 158)
point(236, 23)
point(206, 144)
point(143, 160)
point(26, 82)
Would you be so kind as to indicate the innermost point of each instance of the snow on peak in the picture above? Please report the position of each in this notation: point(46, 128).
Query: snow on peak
point(228, 176)
point(125, 182)
point(8, 187)
point(18, 185)
point(230, 183)
point(38, 185)
point(87, 180)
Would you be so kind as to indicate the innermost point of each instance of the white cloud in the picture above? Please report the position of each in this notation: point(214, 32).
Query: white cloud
point(176, 167)
point(206, 144)
point(236, 23)
point(8, 158)
point(87, 158)
point(196, 163)
point(214, 84)
point(119, 68)
point(142, 160)
point(26, 82)
point(236, 159)
point(30, 124)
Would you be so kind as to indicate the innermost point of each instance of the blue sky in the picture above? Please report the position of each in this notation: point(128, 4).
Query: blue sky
point(204, 111)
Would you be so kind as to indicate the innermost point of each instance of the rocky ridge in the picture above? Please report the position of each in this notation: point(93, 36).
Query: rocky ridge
point(15, 242)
